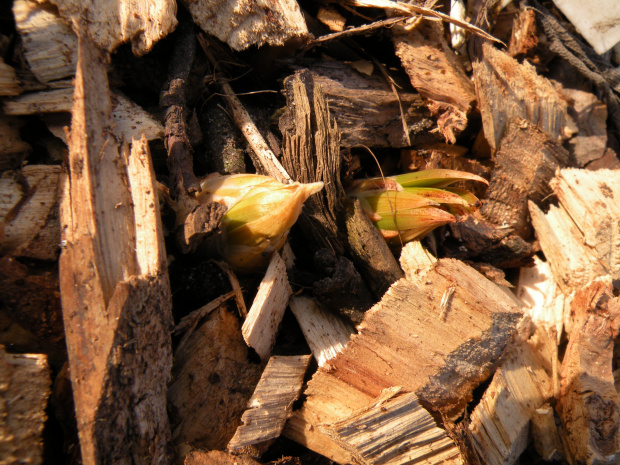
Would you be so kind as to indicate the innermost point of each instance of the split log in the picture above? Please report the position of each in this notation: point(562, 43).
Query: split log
point(25, 386)
point(114, 284)
point(244, 24)
point(435, 72)
point(579, 241)
point(9, 84)
point(311, 153)
point(29, 224)
point(455, 342)
point(213, 379)
point(112, 24)
point(589, 405)
point(130, 120)
point(366, 109)
point(500, 423)
point(507, 89)
point(13, 150)
point(49, 43)
point(526, 160)
point(270, 405)
point(261, 325)
point(325, 333)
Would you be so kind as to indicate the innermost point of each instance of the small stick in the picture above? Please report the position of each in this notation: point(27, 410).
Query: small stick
point(446, 300)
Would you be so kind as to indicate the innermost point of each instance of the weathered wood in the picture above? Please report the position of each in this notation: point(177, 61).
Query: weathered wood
point(112, 24)
point(382, 433)
point(436, 74)
point(589, 404)
point(49, 43)
point(526, 160)
point(25, 386)
point(271, 404)
point(130, 120)
point(261, 325)
point(212, 382)
point(500, 423)
point(29, 224)
point(325, 333)
point(311, 153)
point(507, 89)
point(370, 252)
point(547, 441)
point(589, 116)
point(243, 24)
point(523, 37)
point(366, 109)
point(9, 84)
point(114, 286)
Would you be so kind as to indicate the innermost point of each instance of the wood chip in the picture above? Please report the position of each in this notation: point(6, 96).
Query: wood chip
point(272, 402)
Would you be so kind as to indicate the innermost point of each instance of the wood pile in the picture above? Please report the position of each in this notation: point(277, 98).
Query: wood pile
point(126, 337)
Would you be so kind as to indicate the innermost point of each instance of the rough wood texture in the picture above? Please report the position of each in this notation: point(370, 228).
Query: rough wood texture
point(325, 333)
point(382, 433)
point(212, 382)
point(50, 46)
point(580, 236)
point(311, 153)
point(130, 120)
point(9, 84)
point(25, 386)
point(113, 23)
point(244, 23)
point(547, 441)
point(370, 252)
point(526, 161)
point(507, 89)
point(13, 150)
point(261, 325)
point(588, 116)
point(523, 38)
point(271, 404)
point(29, 224)
point(216, 457)
point(500, 423)
point(114, 285)
point(365, 107)
point(589, 405)
point(436, 73)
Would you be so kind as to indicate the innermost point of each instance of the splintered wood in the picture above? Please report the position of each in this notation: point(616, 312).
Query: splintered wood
point(452, 355)
point(271, 404)
point(113, 281)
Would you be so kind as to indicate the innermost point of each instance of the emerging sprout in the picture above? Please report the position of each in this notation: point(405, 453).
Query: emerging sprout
point(260, 213)
point(408, 206)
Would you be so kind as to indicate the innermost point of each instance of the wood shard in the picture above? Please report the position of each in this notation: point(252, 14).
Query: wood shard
point(50, 45)
point(25, 386)
point(115, 295)
point(396, 430)
point(547, 441)
point(507, 89)
point(325, 333)
point(500, 423)
point(589, 404)
point(244, 23)
point(29, 212)
point(526, 161)
point(109, 25)
point(272, 402)
point(212, 382)
point(264, 317)
point(9, 84)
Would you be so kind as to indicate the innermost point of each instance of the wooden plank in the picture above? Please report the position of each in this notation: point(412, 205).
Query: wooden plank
point(115, 294)
point(25, 386)
point(271, 404)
